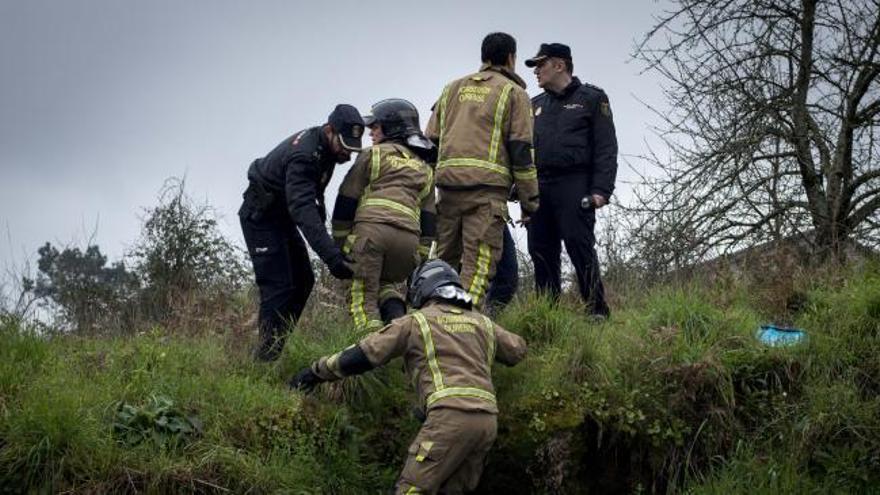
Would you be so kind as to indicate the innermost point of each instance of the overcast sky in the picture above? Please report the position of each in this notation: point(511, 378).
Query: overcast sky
point(102, 100)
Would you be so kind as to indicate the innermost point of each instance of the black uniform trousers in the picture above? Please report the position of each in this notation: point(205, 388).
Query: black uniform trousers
point(560, 219)
point(506, 280)
point(283, 272)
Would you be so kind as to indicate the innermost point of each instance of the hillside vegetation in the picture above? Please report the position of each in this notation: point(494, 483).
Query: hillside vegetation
point(674, 394)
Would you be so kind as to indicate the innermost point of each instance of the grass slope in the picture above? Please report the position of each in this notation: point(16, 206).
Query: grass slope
point(672, 395)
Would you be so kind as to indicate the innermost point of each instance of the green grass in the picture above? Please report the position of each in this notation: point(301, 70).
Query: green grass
point(674, 394)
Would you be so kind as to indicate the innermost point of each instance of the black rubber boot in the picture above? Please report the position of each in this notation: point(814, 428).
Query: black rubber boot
point(391, 309)
point(271, 344)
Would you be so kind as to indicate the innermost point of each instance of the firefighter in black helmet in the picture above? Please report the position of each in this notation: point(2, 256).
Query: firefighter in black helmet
point(384, 213)
point(448, 350)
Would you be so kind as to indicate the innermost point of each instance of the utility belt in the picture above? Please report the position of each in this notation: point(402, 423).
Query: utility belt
point(258, 201)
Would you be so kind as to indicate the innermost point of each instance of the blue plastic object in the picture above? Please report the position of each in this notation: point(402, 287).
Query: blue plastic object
point(775, 336)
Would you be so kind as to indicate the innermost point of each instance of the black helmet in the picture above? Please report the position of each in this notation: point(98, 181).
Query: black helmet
point(435, 278)
point(399, 119)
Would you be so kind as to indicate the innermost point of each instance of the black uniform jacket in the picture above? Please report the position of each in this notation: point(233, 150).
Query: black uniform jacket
point(298, 170)
point(574, 133)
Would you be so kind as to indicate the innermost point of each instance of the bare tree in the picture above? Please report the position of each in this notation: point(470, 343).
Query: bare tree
point(773, 126)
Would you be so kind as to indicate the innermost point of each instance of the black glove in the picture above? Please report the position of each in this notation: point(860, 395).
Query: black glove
point(305, 381)
point(339, 268)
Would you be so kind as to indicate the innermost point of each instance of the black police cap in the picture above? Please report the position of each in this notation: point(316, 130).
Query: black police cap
point(347, 121)
point(549, 50)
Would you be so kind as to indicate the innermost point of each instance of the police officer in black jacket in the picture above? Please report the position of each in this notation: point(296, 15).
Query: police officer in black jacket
point(576, 156)
point(286, 193)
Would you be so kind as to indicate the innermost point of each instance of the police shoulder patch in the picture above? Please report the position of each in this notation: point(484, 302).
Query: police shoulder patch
point(605, 108)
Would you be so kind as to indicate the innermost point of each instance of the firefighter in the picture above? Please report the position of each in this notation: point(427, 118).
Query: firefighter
point(576, 154)
point(286, 193)
point(448, 350)
point(385, 211)
point(483, 126)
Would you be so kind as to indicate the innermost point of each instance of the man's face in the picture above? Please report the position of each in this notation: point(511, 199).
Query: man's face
point(340, 154)
point(549, 71)
point(376, 133)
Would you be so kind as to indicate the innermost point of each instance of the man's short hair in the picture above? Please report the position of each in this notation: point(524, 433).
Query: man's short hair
point(569, 66)
point(497, 48)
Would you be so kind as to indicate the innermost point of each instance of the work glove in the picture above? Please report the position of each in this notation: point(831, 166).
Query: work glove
point(305, 381)
point(339, 267)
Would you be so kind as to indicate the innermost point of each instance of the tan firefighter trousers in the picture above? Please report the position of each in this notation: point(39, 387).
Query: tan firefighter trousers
point(383, 256)
point(448, 453)
point(470, 233)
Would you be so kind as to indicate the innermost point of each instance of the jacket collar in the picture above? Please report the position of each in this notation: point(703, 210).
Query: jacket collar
point(504, 71)
point(568, 90)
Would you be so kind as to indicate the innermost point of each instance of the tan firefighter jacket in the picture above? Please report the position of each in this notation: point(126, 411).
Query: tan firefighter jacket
point(387, 184)
point(483, 125)
point(448, 353)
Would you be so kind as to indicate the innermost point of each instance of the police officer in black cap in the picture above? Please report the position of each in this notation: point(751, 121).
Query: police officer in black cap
point(576, 157)
point(285, 197)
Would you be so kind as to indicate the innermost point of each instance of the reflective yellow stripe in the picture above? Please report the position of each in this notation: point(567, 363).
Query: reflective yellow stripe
point(490, 334)
point(413, 491)
point(373, 324)
point(349, 243)
point(341, 232)
point(499, 119)
point(461, 392)
point(474, 162)
point(358, 313)
point(430, 352)
point(528, 174)
point(443, 98)
point(478, 283)
point(375, 165)
point(394, 205)
point(424, 450)
point(429, 184)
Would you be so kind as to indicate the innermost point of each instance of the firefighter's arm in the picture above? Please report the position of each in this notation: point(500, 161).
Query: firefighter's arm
point(428, 217)
point(351, 361)
point(372, 351)
point(510, 348)
point(350, 191)
point(388, 343)
point(432, 131)
point(519, 148)
point(604, 148)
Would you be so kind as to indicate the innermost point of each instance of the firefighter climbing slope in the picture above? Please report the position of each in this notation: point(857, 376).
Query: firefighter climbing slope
point(448, 349)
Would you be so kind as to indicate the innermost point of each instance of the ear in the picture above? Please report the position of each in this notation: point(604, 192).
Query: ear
point(559, 65)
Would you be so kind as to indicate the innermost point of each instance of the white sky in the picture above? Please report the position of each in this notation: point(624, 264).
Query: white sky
point(102, 100)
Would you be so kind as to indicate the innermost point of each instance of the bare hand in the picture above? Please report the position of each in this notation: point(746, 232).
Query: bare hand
point(599, 201)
